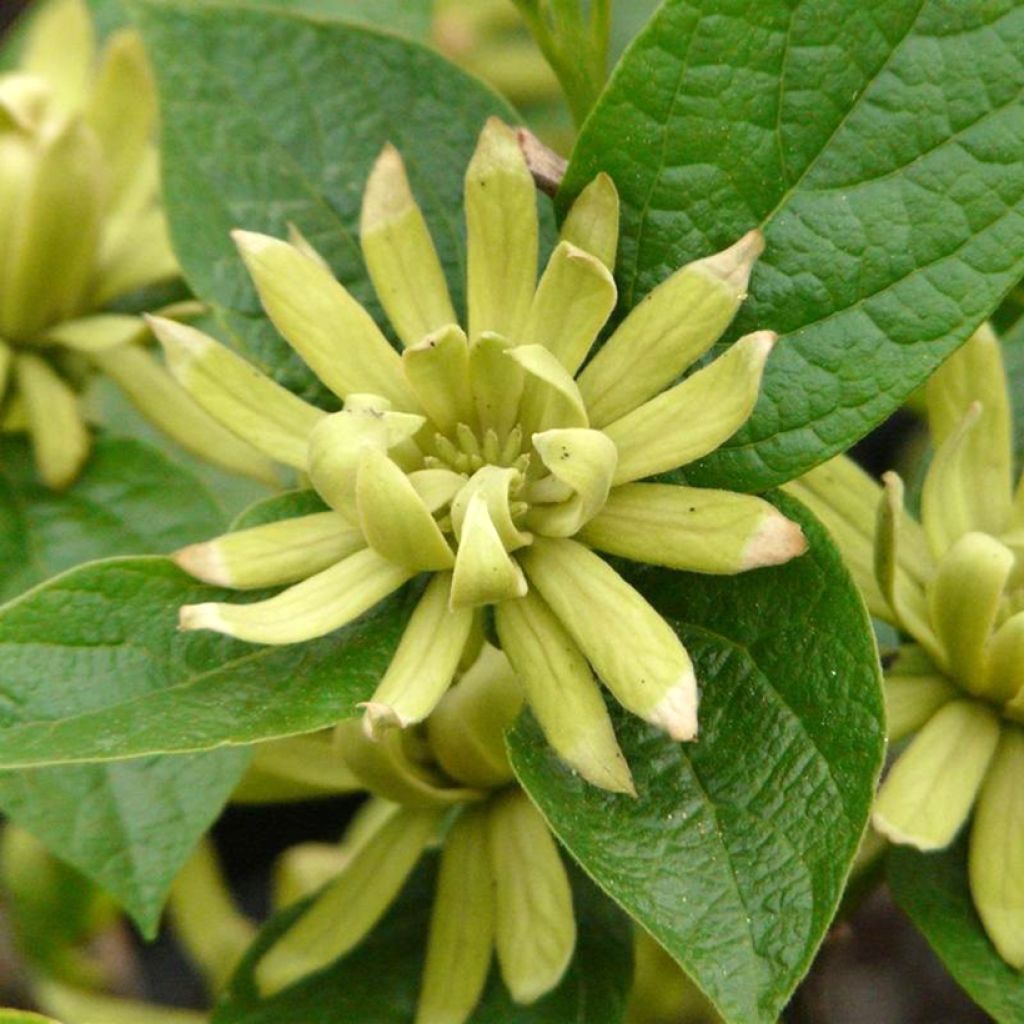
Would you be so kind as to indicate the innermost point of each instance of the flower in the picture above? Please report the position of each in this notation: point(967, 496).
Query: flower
point(502, 887)
point(487, 458)
point(954, 583)
point(81, 226)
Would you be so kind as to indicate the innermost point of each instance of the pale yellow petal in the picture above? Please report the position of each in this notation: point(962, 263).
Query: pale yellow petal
point(484, 571)
point(437, 368)
point(61, 48)
point(592, 222)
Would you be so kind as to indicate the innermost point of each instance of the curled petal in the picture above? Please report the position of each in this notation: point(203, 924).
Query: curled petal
point(484, 571)
point(310, 609)
point(694, 417)
point(400, 254)
point(668, 330)
point(550, 395)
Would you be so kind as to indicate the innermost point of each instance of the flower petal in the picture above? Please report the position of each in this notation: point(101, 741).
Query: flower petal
point(336, 338)
point(550, 395)
point(274, 553)
point(345, 912)
point(98, 333)
point(668, 331)
point(400, 254)
point(501, 227)
point(493, 484)
point(592, 222)
point(535, 931)
point(574, 299)
point(484, 572)
point(693, 529)
point(250, 404)
point(910, 701)
point(964, 599)
point(694, 417)
point(461, 925)
point(975, 373)
point(496, 383)
point(437, 369)
point(167, 405)
point(425, 662)
point(60, 438)
point(582, 460)
point(996, 860)
point(562, 693)
point(307, 610)
point(634, 651)
point(467, 728)
point(61, 48)
point(394, 519)
point(1006, 660)
point(930, 789)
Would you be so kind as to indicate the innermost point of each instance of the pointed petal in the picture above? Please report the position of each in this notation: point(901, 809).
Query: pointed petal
point(496, 382)
point(964, 599)
point(592, 222)
point(583, 460)
point(930, 789)
point(425, 662)
point(251, 405)
point(61, 48)
point(60, 438)
point(535, 931)
point(493, 483)
point(1006, 660)
point(98, 333)
point(562, 693)
point(904, 595)
point(695, 417)
point(501, 227)
point(996, 861)
point(668, 331)
point(345, 912)
point(910, 701)
point(437, 368)
point(123, 109)
point(461, 925)
point(467, 728)
point(550, 395)
point(975, 373)
point(693, 529)
point(52, 247)
point(400, 254)
point(383, 766)
point(274, 553)
point(334, 335)
point(574, 299)
point(949, 506)
point(310, 609)
point(484, 572)
point(634, 651)
point(169, 407)
point(394, 519)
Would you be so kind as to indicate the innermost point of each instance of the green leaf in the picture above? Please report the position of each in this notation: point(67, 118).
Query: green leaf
point(295, 143)
point(735, 853)
point(933, 891)
point(280, 506)
point(880, 146)
point(130, 499)
point(122, 681)
point(1013, 354)
point(379, 982)
point(128, 826)
point(24, 1017)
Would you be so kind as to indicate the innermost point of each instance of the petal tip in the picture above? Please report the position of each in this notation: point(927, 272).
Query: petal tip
point(251, 243)
point(676, 712)
point(735, 264)
point(378, 718)
point(775, 541)
point(204, 562)
point(200, 616)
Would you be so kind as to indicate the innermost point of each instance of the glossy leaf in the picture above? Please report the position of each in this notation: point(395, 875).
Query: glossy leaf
point(378, 983)
point(123, 682)
point(130, 499)
point(735, 852)
point(295, 144)
point(880, 146)
point(933, 891)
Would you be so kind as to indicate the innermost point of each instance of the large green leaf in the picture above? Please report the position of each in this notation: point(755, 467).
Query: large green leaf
point(379, 982)
point(130, 499)
point(295, 143)
point(735, 853)
point(879, 144)
point(1013, 354)
point(933, 890)
point(122, 681)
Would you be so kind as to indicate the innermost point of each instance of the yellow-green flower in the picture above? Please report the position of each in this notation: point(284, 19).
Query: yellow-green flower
point(954, 584)
point(487, 456)
point(502, 888)
point(81, 226)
